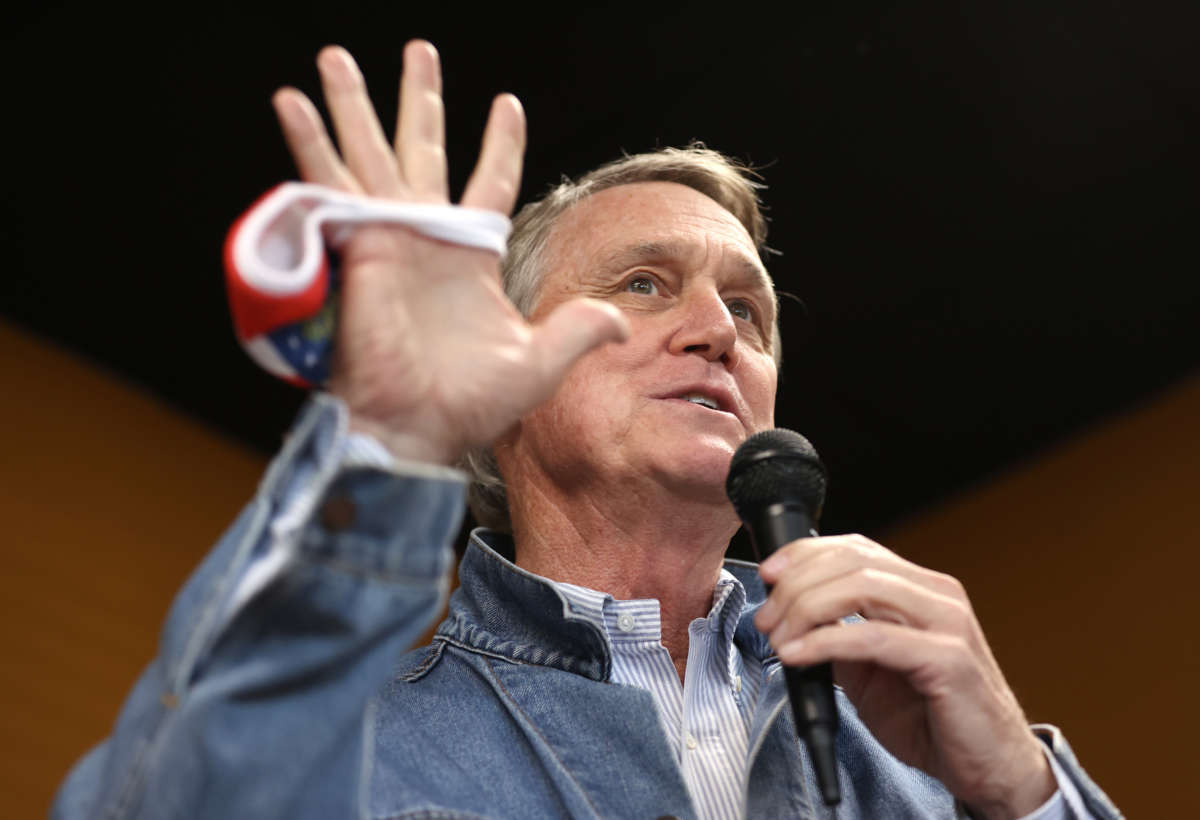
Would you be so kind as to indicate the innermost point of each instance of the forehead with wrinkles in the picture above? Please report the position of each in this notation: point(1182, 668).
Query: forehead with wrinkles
point(649, 223)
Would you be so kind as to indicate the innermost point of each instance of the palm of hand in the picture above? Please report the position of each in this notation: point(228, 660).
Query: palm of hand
point(431, 356)
point(404, 357)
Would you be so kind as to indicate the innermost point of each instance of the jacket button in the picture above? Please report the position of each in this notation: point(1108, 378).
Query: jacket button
point(338, 513)
point(667, 817)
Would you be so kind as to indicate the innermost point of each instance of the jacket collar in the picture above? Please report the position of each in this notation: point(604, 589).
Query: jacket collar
point(502, 610)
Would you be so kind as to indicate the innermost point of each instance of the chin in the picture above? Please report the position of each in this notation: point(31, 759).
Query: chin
point(696, 469)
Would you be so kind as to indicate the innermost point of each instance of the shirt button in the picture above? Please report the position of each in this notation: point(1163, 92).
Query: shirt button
point(691, 741)
point(625, 622)
point(737, 683)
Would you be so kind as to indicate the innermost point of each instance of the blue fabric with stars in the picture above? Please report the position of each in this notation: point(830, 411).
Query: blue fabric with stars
point(307, 346)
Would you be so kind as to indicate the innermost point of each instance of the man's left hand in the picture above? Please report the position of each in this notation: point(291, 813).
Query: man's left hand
point(918, 669)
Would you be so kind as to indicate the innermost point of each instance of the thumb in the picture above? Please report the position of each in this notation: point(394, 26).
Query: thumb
point(572, 330)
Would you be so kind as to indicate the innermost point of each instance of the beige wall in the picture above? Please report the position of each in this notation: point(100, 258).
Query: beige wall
point(1080, 566)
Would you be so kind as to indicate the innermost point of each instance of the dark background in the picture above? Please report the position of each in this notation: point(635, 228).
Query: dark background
point(987, 211)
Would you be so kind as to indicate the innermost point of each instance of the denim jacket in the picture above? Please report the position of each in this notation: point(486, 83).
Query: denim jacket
point(277, 692)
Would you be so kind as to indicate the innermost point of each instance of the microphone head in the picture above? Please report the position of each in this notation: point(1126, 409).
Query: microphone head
point(776, 466)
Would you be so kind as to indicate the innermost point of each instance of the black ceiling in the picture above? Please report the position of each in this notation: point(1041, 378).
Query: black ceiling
point(988, 209)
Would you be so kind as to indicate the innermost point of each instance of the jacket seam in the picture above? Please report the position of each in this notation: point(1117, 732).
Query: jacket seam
point(176, 680)
point(536, 730)
point(434, 654)
point(125, 796)
point(475, 650)
point(352, 569)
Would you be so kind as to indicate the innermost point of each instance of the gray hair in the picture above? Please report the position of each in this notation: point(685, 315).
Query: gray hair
point(729, 182)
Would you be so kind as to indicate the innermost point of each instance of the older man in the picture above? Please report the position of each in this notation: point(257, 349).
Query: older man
point(600, 658)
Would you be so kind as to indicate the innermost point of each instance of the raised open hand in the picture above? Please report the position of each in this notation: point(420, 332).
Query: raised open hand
point(431, 356)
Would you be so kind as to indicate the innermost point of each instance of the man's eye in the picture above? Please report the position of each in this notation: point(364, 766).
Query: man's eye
point(741, 310)
point(643, 284)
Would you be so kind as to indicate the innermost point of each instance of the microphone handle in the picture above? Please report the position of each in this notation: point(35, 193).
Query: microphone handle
point(810, 688)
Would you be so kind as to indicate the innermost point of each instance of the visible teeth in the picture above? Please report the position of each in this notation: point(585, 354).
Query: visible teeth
point(704, 401)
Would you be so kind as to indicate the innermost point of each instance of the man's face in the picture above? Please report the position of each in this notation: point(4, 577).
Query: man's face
point(696, 376)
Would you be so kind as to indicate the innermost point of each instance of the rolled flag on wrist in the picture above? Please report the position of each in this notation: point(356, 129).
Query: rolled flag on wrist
point(281, 267)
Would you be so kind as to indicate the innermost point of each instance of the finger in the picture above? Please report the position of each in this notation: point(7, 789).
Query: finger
point(496, 180)
point(854, 549)
point(569, 332)
point(926, 659)
point(870, 592)
point(810, 561)
point(366, 151)
point(816, 562)
point(316, 158)
point(420, 128)
point(789, 555)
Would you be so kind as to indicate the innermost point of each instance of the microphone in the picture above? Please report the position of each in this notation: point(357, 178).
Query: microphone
point(777, 485)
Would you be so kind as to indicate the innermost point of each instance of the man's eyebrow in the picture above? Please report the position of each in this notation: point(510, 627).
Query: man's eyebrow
point(645, 252)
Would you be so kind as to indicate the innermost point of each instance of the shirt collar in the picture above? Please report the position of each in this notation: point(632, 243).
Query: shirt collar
point(639, 620)
point(504, 610)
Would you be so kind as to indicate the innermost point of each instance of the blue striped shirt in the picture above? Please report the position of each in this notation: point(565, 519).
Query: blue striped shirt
point(706, 718)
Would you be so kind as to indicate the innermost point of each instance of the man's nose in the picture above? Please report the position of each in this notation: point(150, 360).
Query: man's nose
point(706, 327)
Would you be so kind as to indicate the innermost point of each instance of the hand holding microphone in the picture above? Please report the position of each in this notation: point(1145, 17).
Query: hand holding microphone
point(918, 668)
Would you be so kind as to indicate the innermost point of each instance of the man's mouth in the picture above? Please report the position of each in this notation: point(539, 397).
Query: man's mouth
point(702, 400)
point(711, 397)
